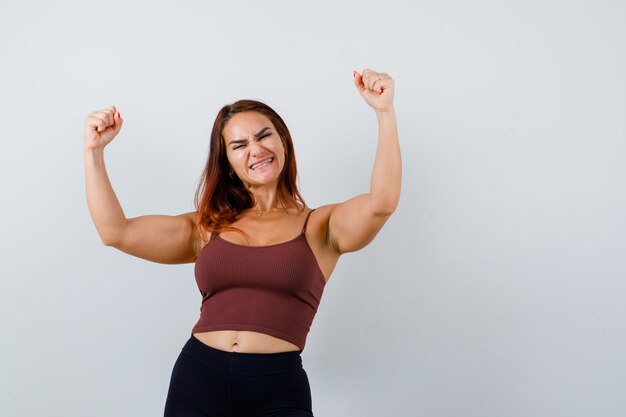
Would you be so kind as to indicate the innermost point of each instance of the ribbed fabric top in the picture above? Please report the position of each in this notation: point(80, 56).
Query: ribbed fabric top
point(273, 289)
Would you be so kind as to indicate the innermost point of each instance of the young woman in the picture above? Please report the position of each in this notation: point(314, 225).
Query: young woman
point(262, 257)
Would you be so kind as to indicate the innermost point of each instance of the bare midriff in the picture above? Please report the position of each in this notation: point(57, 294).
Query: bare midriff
point(244, 341)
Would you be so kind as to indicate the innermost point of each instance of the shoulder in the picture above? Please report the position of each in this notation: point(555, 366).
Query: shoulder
point(323, 212)
point(200, 235)
point(191, 216)
point(318, 221)
point(191, 219)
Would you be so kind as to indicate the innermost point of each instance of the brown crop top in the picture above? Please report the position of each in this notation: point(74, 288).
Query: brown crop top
point(273, 289)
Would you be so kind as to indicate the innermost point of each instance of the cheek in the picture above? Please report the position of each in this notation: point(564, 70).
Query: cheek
point(280, 149)
point(235, 159)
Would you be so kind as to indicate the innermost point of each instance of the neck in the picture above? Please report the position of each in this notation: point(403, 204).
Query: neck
point(266, 199)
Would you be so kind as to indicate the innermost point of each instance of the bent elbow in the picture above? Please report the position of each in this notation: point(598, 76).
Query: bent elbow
point(385, 206)
point(386, 210)
point(108, 240)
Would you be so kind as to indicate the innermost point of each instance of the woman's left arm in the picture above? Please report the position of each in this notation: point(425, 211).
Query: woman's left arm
point(354, 223)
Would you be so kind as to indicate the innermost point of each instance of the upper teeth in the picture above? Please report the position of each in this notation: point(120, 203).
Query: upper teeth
point(262, 163)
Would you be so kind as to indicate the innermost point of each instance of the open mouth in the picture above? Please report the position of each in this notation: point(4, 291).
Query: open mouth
point(263, 163)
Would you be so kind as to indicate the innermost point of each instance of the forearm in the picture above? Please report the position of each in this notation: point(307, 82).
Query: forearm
point(106, 211)
point(387, 172)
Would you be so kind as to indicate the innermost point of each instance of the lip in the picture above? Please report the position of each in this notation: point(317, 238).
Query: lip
point(260, 161)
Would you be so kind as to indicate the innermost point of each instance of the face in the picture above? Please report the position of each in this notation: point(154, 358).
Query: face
point(245, 150)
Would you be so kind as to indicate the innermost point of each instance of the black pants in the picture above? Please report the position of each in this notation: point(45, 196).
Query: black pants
point(208, 382)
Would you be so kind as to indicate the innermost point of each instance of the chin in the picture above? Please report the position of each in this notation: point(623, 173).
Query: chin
point(265, 181)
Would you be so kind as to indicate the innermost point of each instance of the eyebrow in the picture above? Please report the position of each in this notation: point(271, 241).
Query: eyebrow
point(258, 135)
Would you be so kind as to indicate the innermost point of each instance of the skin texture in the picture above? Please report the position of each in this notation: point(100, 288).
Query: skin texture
point(332, 230)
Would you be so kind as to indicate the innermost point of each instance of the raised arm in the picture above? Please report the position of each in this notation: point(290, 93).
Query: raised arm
point(157, 238)
point(354, 223)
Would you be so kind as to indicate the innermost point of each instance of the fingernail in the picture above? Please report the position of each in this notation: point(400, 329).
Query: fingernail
point(354, 73)
point(119, 116)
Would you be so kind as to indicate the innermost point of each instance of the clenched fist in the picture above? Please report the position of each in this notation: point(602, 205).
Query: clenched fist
point(376, 88)
point(101, 127)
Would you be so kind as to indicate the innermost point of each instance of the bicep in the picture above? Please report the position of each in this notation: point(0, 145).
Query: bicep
point(160, 238)
point(353, 224)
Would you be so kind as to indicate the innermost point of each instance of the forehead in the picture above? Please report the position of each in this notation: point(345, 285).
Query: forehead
point(245, 125)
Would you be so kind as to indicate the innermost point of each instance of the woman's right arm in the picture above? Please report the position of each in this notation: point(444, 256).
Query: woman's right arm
point(157, 238)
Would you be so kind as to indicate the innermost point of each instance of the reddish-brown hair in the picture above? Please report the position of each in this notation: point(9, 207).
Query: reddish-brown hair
point(220, 198)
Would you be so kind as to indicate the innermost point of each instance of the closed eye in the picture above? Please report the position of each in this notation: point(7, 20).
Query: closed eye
point(262, 137)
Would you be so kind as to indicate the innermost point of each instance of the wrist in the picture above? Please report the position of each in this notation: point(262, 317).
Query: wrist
point(387, 114)
point(93, 152)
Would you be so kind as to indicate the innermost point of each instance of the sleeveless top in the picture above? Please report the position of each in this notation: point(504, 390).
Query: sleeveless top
point(272, 289)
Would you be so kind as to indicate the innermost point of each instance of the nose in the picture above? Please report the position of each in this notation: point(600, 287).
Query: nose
point(256, 148)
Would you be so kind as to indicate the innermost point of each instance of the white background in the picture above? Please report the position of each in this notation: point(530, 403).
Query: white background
point(496, 288)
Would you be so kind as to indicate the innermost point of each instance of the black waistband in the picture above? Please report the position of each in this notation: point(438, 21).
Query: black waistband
point(239, 363)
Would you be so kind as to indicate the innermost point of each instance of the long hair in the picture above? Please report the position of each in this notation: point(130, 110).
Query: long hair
point(219, 197)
